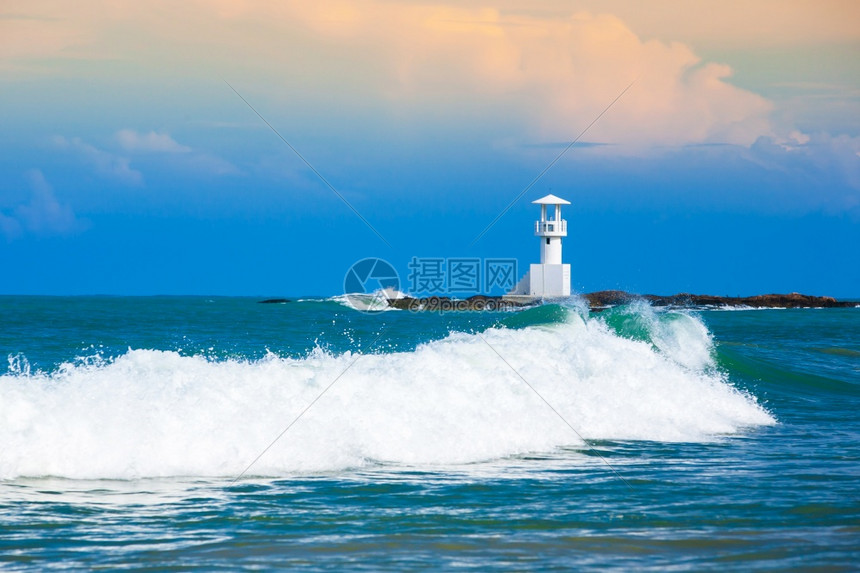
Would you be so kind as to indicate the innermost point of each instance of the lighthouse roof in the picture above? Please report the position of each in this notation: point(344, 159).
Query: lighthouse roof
point(551, 200)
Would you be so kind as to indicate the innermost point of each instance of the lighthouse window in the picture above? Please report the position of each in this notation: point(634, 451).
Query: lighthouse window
point(547, 240)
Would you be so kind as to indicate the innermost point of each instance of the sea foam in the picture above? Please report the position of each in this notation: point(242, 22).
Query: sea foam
point(152, 413)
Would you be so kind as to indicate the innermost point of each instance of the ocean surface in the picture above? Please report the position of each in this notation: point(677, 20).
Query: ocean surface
point(179, 432)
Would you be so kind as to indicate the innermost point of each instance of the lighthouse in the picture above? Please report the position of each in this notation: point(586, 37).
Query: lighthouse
point(550, 278)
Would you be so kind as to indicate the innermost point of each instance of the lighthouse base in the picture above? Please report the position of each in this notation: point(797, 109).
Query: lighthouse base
point(544, 281)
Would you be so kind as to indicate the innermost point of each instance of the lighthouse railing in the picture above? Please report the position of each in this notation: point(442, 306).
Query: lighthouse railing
point(551, 226)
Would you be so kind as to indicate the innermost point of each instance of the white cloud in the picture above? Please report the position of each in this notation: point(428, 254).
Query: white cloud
point(144, 145)
point(204, 164)
point(10, 227)
point(152, 142)
point(827, 166)
point(43, 214)
point(105, 163)
point(798, 137)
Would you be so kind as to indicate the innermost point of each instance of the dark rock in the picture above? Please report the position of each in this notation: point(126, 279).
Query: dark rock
point(609, 298)
point(793, 300)
point(444, 303)
point(274, 301)
point(605, 298)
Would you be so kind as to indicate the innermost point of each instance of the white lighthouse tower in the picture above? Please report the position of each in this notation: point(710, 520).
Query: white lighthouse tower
point(550, 278)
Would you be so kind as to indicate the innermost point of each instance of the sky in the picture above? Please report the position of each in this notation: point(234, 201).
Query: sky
point(129, 166)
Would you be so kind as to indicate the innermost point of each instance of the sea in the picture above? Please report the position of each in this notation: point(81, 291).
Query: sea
point(218, 433)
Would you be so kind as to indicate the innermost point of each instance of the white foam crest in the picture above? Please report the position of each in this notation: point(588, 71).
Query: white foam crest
point(376, 301)
point(18, 364)
point(153, 413)
point(677, 334)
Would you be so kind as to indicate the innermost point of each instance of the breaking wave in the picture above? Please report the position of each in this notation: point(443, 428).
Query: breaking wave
point(627, 374)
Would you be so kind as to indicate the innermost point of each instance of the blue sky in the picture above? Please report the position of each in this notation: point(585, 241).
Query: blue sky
point(128, 166)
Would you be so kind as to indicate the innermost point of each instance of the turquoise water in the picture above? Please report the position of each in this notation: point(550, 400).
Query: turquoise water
point(652, 439)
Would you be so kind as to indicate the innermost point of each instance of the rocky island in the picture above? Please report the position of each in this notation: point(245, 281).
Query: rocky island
point(607, 298)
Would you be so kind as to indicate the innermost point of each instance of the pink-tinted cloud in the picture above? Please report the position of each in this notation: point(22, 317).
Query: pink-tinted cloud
point(553, 74)
point(546, 68)
point(150, 142)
